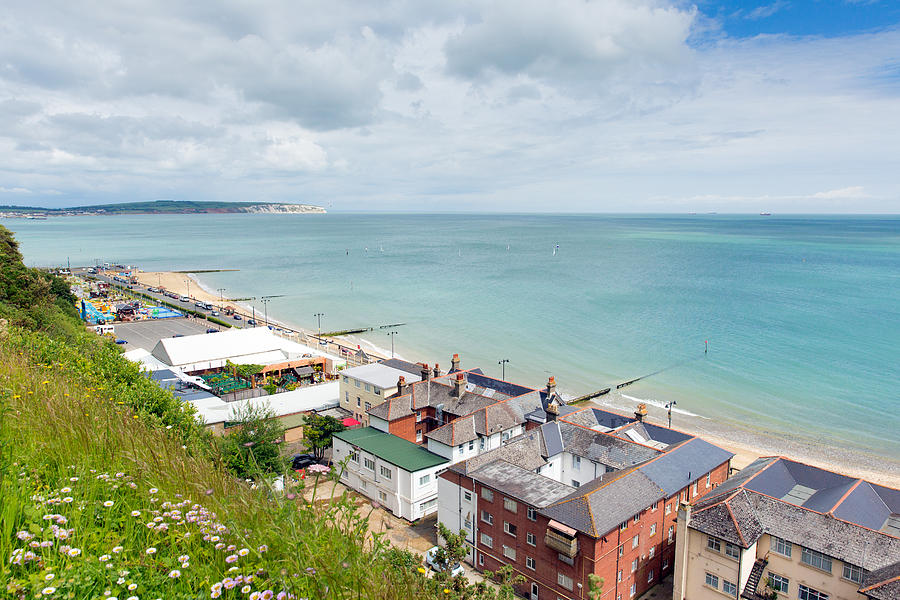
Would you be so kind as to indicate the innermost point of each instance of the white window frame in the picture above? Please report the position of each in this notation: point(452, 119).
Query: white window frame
point(852, 573)
point(712, 581)
point(487, 517)
point(531, 513)
point(804, 592)
point(509, 552)
point(713, 543)
point(510, 505)
point(486, 540)
point(530, 539)
point(781, 546)
point(425, 479)
point(780, 583)
point(729, 584)
point(367, 462)
point(510, 528)
point(564, 581)
point(732, 551)
point(815, 559)
point(529, 563)
point(635, 541)
point(487, 495)
point(385, 472)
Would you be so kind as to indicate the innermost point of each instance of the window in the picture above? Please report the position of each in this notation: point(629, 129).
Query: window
point(779, 583)
point(815, 559)
point(637, 517)
point(368, 405)
point(621, 551)
point(652, 552)
point(619, 577)
point(853, 573)
point(378, 391)
point(356, 382)
point(530, 539)
point(729, 588)
point(635, 541)
point(652, 529)
point(650, 576)
point(424, 479)
point(634, 565)
point(504, 436)
point(368, 388)
point(694, 491)
point(633, 590)
point(655, 506)
point(564, 581)
point(487, 494)
point(487, 517)
point(623, 526)
point(576, 462)
point(671, 533)
point(369, 464)
point(428, 504)
point(382, 496)
point(509, 553)
point(668, 508)
point(713, 544)
point(808, 593)
point(566, 559)
point(781, 546)
point(509, 528)
point(708, 478)
point(354, 456)
point(712, 581)
point(347, 397)
point(529, 562)
point(358, 402)
point(385, 472)
point(418, 416)
point(461, 449)
point(510, 505)
point(665, 563)
point(346, 379)
point(471, 445)
point(532, 514)
point(467, 496)
point(732, 550)
point(418, 435)
point(487, 540)
point(364, 484)
point(481, 443)
point(480, 559)
point(576, 483)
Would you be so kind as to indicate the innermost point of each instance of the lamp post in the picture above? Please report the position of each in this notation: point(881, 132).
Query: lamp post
point(319, 317)
point(392, 334)
point(188, 282)
point(502, 364)
point(669, 407)
point(221, 298)
point(265, 301)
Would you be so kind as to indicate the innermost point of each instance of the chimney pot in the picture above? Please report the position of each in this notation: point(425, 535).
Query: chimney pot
point(426, 372)
point(401, 385)
point(552, 410)
point(454, 363)
point(437, 370)
point(641, 412)
point(459, 385)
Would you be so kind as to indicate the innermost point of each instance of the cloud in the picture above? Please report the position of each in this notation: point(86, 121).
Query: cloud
point(767, 10)
point(850, 193)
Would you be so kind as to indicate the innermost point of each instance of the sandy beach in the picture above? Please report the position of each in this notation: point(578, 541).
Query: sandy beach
point(747, 444)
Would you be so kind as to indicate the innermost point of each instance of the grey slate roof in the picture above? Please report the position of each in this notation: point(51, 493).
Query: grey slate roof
point(604, 448)
point(741, 512)
point(678, 467)
point(600, 506)
point(402, 365)
point(883, 583)
point(521, 484)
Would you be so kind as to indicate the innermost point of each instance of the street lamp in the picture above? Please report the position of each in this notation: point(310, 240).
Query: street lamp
point(221, 298)
point(188, 282)
point(502, 364)
point(392, 334)
point(669, 407)
point(265, 301)
point(319, 317)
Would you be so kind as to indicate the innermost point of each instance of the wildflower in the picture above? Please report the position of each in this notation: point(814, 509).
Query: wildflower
point(209, 492)
point(232, 548)
point(184, 558)
point(246, 589)
point(135, 513)
point(248, 444)
point(104, 558)
point(421, 569)
point(120, 474)
point(243, 552)
point(267, 595)
point(49, 577)
point(132, 598)
point(254, 596)
point(153, 490)
point(185, 565)
point(310, 570)
point(263, 548)
point(446, 591)
point(48, 590)
point(174, 574)
point(65, 490)
point(150, 550)
point(74, 552)
point(219, 546)
point(120, 580)
point(231, 558)
point(73, 479)
point(215, 594)
point(117, 549)
point(132, 587)
point(108, 503)
point(68, 499)
point(24, 536)
point(168, 427)
point(318, 469)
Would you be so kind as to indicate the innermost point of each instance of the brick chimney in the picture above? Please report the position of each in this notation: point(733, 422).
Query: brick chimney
point(426, 372)
point(454, 363)
point(641, 412)
point(437, 370)
point(552, 410)
point(459, 385)
point(401, 385)
point(551, 385)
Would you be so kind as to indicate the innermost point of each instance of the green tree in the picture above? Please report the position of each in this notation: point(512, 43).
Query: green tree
point(317, 433)
point(252, 448)
point(595, 585)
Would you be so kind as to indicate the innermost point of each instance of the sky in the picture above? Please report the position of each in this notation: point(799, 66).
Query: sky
point(783, 106)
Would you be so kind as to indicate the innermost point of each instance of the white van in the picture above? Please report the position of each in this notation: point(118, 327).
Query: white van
point(102, 329)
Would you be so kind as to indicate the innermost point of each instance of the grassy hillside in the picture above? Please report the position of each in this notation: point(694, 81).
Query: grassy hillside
point(109, 488)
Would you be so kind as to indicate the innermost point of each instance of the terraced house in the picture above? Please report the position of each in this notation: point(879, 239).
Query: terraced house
point(783, 530)
point(586, 492)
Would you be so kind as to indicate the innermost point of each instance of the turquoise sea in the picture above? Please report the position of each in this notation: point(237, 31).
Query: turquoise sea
point(802, 313)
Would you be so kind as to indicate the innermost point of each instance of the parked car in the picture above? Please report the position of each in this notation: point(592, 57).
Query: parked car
point(431, 560)
point(211, 330)
point(185, 299)
point(214, 313)
point(237, 317)
point(200, 304)
point(251, 322)
point(302, 461)
point(120, 341)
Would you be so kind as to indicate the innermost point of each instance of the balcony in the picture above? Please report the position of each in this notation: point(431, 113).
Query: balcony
point(562, 539)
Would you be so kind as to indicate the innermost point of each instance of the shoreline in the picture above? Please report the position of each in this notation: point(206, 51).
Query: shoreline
point(746, 443)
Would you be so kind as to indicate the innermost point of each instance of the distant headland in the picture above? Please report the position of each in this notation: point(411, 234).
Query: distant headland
point(167, 207)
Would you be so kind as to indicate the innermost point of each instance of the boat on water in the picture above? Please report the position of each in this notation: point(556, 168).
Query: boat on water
point(765, 214)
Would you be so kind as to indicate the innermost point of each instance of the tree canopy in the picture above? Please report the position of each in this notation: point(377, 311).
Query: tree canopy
point(252, 447)
point(318, 431)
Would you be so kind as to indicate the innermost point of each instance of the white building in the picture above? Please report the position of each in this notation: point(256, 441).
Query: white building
point(399, 475)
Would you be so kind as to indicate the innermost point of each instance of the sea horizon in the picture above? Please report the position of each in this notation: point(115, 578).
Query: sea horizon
point(785, 301)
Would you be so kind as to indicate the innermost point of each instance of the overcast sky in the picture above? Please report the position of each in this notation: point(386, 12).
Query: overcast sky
point(507, 105)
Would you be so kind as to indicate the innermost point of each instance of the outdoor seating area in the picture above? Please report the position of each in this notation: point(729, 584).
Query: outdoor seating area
point(224, 383)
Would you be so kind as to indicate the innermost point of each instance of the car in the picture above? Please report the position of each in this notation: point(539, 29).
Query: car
point(251, 322)
point(120, 341)
point(237, 317)
point(185, 299)
point(200, 304)
point(302, 461)
point(431, 560)
point(212, 330)
point(214, 313)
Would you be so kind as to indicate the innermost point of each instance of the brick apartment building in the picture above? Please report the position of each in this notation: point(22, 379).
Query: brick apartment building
point(589, 492)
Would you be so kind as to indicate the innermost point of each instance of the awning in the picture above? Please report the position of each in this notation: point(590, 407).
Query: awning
point(350, 422)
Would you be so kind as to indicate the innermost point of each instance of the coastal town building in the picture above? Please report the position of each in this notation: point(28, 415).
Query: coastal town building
point(781, 529)
point(399, 475)
point(366, 386)
point(588, 492)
